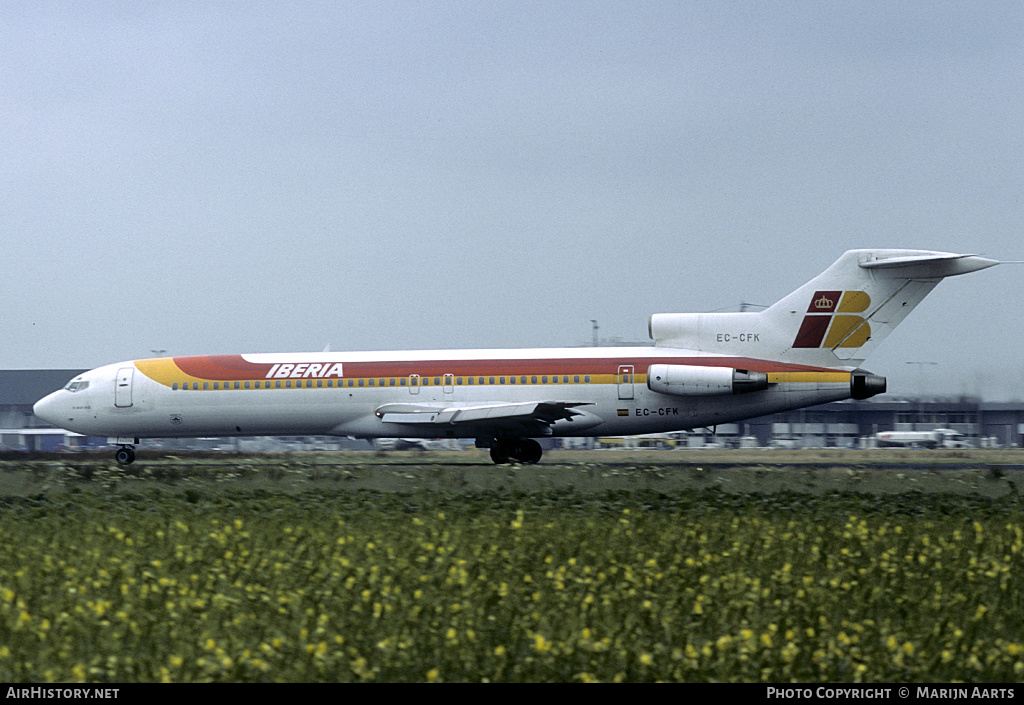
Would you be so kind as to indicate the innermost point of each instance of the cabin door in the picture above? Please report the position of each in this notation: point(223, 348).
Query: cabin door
point(123, 387)
point(625, 381)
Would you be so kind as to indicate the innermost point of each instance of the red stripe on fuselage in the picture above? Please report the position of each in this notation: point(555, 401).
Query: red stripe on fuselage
point(222, 367)
point(235, 367)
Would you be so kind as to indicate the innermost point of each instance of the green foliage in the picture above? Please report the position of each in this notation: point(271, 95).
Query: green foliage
point(638, 586)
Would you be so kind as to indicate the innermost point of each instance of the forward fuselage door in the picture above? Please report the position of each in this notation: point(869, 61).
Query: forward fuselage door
point(625, 380)
point(123, 387)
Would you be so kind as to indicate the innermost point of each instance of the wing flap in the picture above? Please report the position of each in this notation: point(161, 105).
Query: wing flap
point(497, 414)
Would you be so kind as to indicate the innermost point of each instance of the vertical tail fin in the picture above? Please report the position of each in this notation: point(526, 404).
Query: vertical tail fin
point(835, 320)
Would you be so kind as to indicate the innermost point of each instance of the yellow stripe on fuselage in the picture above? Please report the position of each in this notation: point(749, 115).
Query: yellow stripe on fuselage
point(164, 371)
point(808, 377)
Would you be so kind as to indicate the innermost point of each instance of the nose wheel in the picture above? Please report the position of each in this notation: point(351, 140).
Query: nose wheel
point(125, 455)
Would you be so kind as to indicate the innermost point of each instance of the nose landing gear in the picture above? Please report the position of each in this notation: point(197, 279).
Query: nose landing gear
point(125, 455)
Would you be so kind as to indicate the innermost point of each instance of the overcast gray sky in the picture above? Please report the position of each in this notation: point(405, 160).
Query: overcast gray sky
point(217, 177)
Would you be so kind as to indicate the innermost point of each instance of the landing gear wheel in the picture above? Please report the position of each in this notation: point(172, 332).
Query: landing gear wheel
point(529, 451)
point(523, 450)
point(125, 455)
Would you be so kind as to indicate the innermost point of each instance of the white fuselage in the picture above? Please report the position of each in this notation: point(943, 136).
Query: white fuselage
point(343, 393)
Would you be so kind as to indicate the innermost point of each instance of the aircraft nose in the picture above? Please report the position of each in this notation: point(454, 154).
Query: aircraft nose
point(49, 409)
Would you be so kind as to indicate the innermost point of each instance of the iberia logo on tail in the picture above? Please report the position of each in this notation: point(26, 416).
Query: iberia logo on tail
point(831, 321)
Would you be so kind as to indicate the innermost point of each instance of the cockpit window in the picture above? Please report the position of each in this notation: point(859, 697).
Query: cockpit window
point(77, 385)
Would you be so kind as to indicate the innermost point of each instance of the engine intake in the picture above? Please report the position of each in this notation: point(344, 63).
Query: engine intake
point(696, 380)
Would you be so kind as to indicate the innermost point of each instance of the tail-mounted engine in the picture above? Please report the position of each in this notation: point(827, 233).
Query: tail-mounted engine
point(864, 385)
point(696, 380)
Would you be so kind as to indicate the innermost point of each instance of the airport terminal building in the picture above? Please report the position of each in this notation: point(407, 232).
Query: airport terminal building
point(19, 390)
point(846, 424)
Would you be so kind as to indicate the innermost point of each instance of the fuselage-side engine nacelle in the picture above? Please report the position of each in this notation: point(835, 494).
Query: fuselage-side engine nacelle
point(697, 380)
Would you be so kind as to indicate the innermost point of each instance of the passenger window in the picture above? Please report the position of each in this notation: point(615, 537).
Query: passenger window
point(587, 379)
point(576, 379)
point(511, 380)
point(458, 380)
point(544, 379)
point(247, 385)
point(174, 386)
point(437, 381)
point(490, 380)
point(501, 380)
point(522, 380)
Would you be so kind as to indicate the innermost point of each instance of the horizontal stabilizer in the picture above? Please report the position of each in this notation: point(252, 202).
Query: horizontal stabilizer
point(933, 265)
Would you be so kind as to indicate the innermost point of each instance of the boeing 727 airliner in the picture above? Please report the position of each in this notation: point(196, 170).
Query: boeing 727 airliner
point(704, 369)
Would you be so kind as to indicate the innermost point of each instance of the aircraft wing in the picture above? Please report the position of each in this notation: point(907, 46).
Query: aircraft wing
point(534, 416)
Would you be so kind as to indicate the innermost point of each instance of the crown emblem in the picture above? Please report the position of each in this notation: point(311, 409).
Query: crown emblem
point(823, 302)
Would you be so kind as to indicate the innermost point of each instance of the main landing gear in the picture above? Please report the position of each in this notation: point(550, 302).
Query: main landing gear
point(125, 455)
point(524, 450)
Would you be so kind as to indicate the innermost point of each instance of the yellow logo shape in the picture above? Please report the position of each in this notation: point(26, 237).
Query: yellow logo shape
point(854, 302)
point(847, 332)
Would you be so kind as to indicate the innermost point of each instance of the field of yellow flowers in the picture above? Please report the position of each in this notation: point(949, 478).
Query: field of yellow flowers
point(550, 586)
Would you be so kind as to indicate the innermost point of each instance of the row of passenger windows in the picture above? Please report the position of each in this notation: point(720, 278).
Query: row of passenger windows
point(384, 382)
